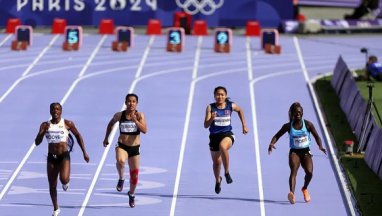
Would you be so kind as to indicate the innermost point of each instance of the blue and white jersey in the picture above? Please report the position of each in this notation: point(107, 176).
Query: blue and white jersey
point(222, 121)
point(299, 139)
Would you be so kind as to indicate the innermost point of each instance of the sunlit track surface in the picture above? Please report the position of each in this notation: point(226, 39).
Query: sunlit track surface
point(174, 89)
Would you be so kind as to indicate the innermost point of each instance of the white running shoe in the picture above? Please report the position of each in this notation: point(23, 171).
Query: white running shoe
point(56, 213)
point(65, 187)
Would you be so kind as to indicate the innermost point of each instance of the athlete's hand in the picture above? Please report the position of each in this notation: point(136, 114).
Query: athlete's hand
point(45, 127)
point(323, 149)
point(270, 148)
point(86, 157)
point(245, 130)
point(105, 143)
point(135, 117)
point(213, 115)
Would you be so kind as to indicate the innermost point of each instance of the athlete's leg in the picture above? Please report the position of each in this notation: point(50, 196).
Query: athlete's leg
point(65, 172)
point(134, 168)
point(121, 156)
point(224, 146)
point(216, 164)
point(307, 165)
point(294, 164)
point(52, 171)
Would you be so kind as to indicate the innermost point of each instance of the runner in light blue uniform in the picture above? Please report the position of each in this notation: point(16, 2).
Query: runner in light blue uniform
point(299, 139)
point(299, 131)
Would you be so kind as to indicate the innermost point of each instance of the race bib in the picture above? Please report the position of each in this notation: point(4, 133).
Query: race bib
point(223, 121)
point(128, 127)
point(301, 142)
point(55, 136)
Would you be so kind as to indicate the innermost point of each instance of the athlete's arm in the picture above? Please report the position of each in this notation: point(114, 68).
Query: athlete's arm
point(210, 116)
point(140, 121)
point(240, 113)
point(109, 127)
point(40, 135)
point(285, 128)
point(312, 129)
point(78, 136)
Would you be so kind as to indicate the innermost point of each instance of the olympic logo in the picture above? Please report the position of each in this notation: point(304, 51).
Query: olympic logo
point(206, 7)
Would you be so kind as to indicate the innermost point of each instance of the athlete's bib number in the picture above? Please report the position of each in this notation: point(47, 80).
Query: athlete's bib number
point(301, 142)
point(128, 127)
point(223, 121)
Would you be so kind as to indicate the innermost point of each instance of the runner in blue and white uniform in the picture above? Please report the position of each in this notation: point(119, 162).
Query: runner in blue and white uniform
point(218, 120)
point(56, 132)
point(299, 130)
point(131, 124)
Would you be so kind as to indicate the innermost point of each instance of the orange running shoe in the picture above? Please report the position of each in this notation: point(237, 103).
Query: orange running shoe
point(306, 194)
point(291, 198)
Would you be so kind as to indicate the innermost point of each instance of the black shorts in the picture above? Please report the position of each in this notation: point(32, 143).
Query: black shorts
point(301, 153)
point(131, 150)
point(215, 140)
point(57, 159)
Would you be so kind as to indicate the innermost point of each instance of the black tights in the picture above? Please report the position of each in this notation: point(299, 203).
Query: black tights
point(294, 163)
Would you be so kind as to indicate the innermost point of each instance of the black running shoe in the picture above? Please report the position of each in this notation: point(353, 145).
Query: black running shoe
point(217, 186)
point(120, 185)
point(228, 178)
point(131, 200)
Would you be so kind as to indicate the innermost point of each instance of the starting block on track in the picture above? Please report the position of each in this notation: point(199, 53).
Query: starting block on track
point(223, 40)
point(269, 41)
point(124, 39)
point(23, 38)
point(269, 36)
point(272, 49)
point(119, 46)
point(175, 39)
point(73, 38)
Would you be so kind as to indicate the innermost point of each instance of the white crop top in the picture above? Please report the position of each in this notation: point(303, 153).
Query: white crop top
point(57, 133)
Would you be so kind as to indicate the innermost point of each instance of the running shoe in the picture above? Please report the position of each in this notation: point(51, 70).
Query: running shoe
point(65, 187)
point(131, 200)
point(56, 212)
point(120, 185)
point(291, 198)
point(217, 186)
point(306, 194)
point(228, 178)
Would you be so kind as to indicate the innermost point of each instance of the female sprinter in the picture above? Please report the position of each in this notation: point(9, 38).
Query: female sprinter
point(131, 124)
point(299, 130)
point(57, 134)
point(218, 120)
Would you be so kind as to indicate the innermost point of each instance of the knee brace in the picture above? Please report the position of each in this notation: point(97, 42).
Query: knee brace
point(134, 176)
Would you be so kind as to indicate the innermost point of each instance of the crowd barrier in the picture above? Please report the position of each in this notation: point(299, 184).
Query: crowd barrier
point(364, 126)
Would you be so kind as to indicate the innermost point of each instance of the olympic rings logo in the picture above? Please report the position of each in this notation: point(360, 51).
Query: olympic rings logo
point(206, 7)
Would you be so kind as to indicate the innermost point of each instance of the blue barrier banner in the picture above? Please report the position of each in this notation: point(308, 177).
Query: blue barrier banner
point(227, 13)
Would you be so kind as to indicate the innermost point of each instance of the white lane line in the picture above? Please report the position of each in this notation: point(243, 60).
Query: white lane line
point(104, 72)
point(197, 58)
point(40, 56)
point(31, 148)
point(113, 132)
point(5, 40)
point(91, 58)
point(145, 55)
point(186, 125)
point(255, 128)
point(249, 58)
point(345, 191)
point(29, 69)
